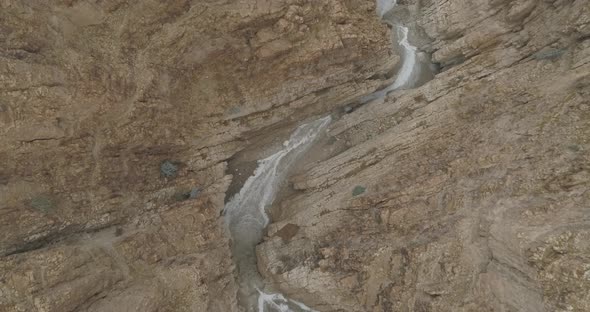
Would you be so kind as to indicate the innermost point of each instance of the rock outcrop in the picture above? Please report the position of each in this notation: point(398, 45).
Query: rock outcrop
point(469, 193)
point(116, 121)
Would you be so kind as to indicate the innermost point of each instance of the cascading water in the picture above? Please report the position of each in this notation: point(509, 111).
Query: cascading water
point(245, 213)
point(406, 74)
point(384, 6)
point(246, 216)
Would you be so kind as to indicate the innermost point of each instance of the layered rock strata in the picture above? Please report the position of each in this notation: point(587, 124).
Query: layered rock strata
point(469, 193)
point(116, 122)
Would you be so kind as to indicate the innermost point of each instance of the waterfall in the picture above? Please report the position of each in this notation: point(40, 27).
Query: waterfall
point(384, 6)
point(409, 70)
point(406, 73)
point(246, 214)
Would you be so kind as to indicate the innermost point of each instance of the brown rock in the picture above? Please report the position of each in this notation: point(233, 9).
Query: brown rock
point(476, 181)
point(94, 96)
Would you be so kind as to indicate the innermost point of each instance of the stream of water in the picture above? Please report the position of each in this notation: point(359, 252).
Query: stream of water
point(384, 6)
point(407, 73)
point(246, 217)
point(245, 213)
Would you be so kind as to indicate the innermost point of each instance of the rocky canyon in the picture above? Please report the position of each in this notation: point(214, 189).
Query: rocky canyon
point(134, 133)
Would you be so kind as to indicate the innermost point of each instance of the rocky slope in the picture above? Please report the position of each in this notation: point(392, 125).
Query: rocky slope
point(116, 121)
point(469, 193)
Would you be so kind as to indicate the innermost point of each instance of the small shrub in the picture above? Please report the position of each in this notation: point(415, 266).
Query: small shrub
point(574, 148)
point(42, 203)
point(233, 110)
point(181, 195)
point(185, 194)
point(549, 54)
point(168, 169)
point(195, 191)
point(358, 190)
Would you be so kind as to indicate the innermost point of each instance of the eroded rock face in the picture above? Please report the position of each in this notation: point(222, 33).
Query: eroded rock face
point(116, 119)
point(469, 193)
point(475, 186)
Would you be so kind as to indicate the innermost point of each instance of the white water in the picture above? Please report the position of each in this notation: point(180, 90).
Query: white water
point(384, 6)
point(279, 303)
point(246, 215)
point(406, 73)
point(409, 70)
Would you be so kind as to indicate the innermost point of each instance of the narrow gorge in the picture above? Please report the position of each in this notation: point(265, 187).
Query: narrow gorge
point(246, 213)
point(294, 155)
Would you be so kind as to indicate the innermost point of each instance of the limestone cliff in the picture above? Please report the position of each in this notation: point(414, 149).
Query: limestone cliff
point(116, 119)
point(469, 193)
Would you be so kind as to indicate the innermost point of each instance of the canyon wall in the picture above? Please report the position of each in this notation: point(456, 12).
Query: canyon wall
point(469, 193)
point(116, 121)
